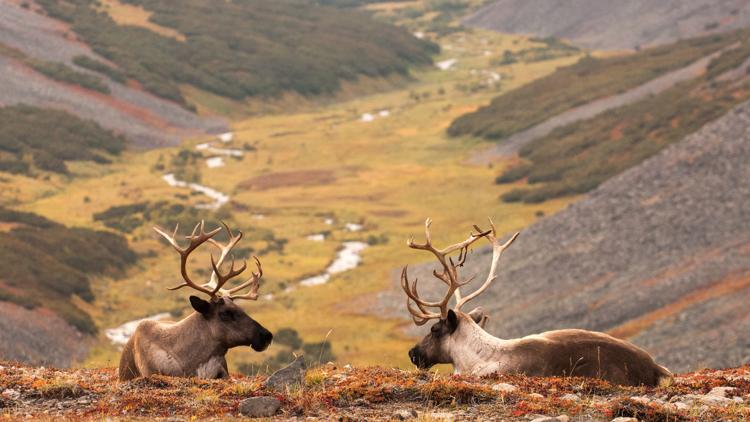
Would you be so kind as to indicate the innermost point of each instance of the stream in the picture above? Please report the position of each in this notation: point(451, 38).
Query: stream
point(347, 259)
point(218, 197)
point(216, 161)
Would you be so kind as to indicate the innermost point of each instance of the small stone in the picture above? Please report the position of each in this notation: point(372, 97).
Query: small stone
point(405, 414)
point(505, 388)
point(561, 418)
point(681, 406)
point(260, 407)
point(721, 391)
point(536, 396)
point(571, 397)
point(441, 416)
point(11, 394)
point(710, 400)
point(624, 419)
point(291, 376)
point(641, 399)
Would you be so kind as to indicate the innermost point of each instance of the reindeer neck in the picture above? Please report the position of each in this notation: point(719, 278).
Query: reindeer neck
point(474, 351)
point(192, 337)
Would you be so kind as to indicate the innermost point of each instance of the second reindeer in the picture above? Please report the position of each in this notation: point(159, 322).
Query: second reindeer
point(458, 338)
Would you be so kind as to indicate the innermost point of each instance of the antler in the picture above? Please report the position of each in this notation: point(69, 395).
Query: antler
point(497, 250)
point(449, 275)
point(215, 286)
point(195, 241)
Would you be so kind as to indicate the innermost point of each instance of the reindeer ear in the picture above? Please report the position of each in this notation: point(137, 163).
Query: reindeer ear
point(477, 314)
point(201, 306)
point(452, 321)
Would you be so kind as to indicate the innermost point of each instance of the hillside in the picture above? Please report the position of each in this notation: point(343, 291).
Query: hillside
point(588, 79)
point(657, 255)
point(612, 24)
point(582, 128)
point(278, 46)
point(38, 56)
point(37, 139)
point(46, 273)
point(372, 393)
point(145, 69)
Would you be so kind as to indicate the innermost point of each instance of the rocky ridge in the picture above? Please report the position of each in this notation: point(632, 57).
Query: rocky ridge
point(659, 255)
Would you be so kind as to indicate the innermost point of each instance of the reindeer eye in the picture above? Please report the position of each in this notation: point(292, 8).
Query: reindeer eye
point(226, 316)
point(435, 329)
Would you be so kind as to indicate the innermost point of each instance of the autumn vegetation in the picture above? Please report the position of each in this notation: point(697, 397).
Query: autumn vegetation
point(272, 47)
point(46, 264)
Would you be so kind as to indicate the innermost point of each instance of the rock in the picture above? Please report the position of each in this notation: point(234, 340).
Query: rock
point(260, 407)
point(624, 419)
point(291, 376)
point(505, 388)
point(561, 418)
point(641, 399)
point(11, 394)
point(405, 414)
point(536, 396)
point(571, 397)
point(440, 416)
point(681, 406)
point(710, 400)
point(721, 391)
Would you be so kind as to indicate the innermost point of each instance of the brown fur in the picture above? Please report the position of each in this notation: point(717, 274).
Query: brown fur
point(195, 346)
point(460, 341)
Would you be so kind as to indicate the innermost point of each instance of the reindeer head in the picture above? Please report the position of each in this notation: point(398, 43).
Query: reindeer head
point(450, 332)
point(225, 322)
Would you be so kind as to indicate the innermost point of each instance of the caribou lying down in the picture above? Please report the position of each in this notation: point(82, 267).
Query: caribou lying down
point(459, 338)
point(197, 345)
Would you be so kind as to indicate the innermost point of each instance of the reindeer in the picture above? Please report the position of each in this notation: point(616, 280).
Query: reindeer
point(197, 345)
point(459, 338)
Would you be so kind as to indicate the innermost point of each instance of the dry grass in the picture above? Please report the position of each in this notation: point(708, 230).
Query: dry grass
point(127, 14)
point(359, 393)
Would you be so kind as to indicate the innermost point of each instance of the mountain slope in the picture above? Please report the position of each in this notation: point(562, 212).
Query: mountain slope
point(244, 49)
point(45, 275)
point(612, 24)
point(659, 255)
point(29, 37)
point(593, 128)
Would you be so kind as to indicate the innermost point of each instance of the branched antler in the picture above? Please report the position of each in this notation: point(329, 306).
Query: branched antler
point(449, 274)
point(497, 250)
point(215, 286)
point(197, 238)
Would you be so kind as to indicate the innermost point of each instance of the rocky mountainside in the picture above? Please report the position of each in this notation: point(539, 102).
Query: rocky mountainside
point(28, 36)
point(659, 255)
point(612, 24)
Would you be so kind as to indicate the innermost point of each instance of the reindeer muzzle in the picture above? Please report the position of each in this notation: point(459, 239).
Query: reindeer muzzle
point(261, 341)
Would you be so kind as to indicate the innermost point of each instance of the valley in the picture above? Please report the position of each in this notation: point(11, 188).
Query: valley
point(399, 168)
point(328, 166)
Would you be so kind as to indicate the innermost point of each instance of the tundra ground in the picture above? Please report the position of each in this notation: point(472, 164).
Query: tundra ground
point(372, 393)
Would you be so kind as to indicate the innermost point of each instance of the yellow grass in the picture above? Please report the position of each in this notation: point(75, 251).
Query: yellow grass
point(126, 14)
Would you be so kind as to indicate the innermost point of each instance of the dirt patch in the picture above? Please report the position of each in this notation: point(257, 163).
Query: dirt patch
point(289, 178)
